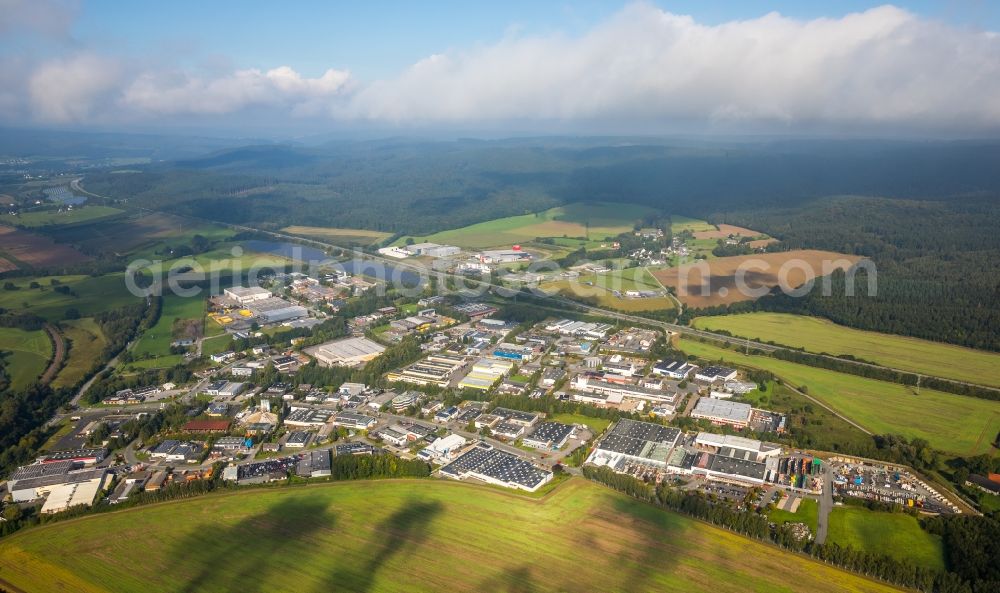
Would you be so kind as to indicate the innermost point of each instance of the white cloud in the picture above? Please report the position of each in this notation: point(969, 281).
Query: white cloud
point(883, 66)
point(73, 89)
point(182, 93)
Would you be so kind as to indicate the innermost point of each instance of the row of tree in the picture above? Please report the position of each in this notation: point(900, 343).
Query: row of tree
point(365, 467)
point(977, 577)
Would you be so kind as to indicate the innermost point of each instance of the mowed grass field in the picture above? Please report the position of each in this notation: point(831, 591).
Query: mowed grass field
point(603, 287)
point(29, 353)
point(415, 536)
point(815, 427)
point(760, 272)
point(895, 534)
point(155, 342)
point(952, 423)
point(86, 341)
point(334, 235)
point(592, 220)
point(598, 425)
point(227, 257)
point(807, 512)
point(679, 223)
point(92, 294)
point(823, 336)
point(54, 217)
point(724, 230)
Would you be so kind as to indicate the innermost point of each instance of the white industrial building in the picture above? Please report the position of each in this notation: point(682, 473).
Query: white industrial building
point(444, 448)
point(347, 351)
point(275, 310)
point(614, 393)
point(675, 369)
point(69, 484)
point(722, 411)
point(569, 327)
point(504, 256)
point(759, 449)
point(432, 250)
point(244, 295)
point(64, 496)
point(715, 373)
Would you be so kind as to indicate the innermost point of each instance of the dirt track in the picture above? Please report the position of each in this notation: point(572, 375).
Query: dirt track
point(59, 347)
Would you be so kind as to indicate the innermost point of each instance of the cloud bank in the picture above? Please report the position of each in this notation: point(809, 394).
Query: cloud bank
point(881, 67)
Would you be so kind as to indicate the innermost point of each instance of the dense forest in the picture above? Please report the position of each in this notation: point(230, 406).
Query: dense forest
point(937, 273)
point(422, 187)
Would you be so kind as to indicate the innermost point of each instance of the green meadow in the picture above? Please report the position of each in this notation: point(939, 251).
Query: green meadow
point(39, 218)
point(153, 347)
point(952, 423)
point(896, 534)
point(89, 295)
point(416, 536)
point(807, 512)
point(819, 335)
point(592, 221)
point(26, 356)
point(86, 342)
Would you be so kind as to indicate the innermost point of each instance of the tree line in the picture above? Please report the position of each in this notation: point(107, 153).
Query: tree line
point(976, 578)
point(366, 467)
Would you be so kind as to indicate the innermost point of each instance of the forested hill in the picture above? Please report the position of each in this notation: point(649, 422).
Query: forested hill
point(932, 231)
point(423, 187)
point(938, 276)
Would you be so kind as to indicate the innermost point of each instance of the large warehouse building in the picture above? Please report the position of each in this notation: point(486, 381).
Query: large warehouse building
point(493, 466)
point(64, 484)
point(276, 310)
point(245, 296)
point(721, 411)
point(347, 352)
point(631, 441)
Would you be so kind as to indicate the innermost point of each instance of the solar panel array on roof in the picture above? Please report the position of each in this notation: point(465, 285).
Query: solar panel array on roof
point(646, 431)
point(643, 440)
point(485, 461)
point(555, 432)
point(515, 415)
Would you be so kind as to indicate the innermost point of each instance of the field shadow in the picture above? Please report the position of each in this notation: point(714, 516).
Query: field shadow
point(401, 533)
point(511, 580)
point(235, 557)
point(627, 546)
point(652, 527)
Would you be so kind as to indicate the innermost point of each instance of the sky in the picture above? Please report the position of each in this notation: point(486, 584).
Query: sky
point(847, 68)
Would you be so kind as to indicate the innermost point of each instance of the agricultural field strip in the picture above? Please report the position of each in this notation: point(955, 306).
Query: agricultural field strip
point(419, 536)
point(41, 218)
point(951, 423)
point(571, 220)
point(823, 336)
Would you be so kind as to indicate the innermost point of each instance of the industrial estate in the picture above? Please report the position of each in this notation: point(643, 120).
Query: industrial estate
point(582, 298)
